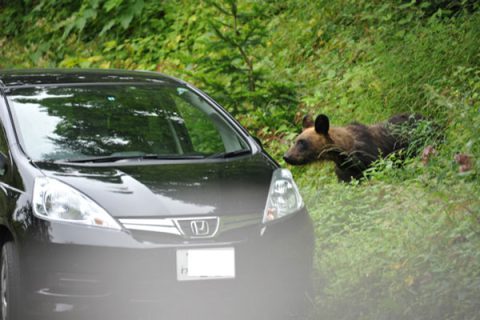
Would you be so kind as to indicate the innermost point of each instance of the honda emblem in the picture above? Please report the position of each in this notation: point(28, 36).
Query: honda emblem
point(199, 228)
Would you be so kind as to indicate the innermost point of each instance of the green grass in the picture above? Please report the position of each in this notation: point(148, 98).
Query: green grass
point(395, 247)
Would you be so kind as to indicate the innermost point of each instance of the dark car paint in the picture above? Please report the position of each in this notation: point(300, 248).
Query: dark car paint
point(41, 77)
point(277, 253)
point(235, 187)
point(194, 187)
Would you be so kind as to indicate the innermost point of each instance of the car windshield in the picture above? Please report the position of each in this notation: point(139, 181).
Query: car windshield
point(83, 123)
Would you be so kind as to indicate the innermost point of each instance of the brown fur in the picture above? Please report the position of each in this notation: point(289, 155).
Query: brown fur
point(352, 148)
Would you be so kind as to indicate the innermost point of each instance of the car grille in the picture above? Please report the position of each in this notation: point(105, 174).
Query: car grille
point(172, 230)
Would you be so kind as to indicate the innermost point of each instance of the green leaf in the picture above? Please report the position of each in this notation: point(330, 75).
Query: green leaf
point(80, 23)
point(111, 4)
point(89, 13)
point(94, 3)
point(125, 19)
point(107, 27)
point(68, 29)
point(137, 7)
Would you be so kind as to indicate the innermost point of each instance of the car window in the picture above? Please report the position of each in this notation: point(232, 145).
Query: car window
point(202, 132)
point(84, 121)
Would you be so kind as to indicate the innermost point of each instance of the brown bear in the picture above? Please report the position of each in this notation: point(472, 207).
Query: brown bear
point(353, 148)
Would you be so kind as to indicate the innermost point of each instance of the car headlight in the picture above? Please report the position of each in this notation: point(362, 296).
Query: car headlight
point(283, 196)
point(55, 200)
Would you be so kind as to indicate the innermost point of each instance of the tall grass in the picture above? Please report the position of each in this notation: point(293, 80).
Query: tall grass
point(403, 244)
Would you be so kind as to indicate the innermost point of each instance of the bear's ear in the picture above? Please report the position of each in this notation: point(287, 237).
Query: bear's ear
point(322, 124)
point(307, 122)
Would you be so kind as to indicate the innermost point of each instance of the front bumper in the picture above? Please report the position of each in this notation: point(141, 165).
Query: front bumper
point(87, 273)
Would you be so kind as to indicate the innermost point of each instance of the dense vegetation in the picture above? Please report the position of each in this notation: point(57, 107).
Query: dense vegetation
point(403, 244)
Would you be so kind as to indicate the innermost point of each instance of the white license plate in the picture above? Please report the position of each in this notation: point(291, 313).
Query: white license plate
point(204, 264)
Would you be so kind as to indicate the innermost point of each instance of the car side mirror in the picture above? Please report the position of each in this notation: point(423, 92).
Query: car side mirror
point(3, 164)
point(257, 140)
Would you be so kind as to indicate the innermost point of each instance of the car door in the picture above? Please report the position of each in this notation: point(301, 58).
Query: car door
point(7, 192)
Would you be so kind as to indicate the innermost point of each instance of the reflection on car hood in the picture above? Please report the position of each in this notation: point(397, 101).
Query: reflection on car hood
point(225, 187)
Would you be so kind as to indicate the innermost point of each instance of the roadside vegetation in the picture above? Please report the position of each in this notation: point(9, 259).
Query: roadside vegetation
point(403, 244)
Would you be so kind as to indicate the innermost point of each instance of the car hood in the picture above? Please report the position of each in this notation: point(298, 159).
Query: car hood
point(148, 189)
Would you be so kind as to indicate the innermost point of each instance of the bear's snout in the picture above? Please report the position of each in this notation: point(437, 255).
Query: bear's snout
point(290, 159)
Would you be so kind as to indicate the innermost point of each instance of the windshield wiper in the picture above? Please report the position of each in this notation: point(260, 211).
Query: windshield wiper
point(115, 157)
point(229, 154)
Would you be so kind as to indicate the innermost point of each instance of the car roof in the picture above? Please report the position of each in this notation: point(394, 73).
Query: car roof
point(39, 77)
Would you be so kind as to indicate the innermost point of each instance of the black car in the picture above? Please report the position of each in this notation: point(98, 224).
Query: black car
point(133, 195)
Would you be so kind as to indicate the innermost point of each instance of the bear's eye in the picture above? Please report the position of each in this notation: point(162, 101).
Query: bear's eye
point(302, 144)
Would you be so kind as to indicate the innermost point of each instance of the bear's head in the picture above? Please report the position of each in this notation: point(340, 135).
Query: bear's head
point(314, 143)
